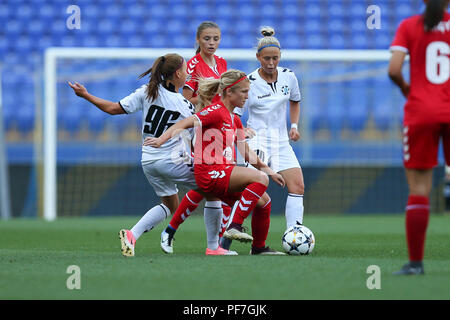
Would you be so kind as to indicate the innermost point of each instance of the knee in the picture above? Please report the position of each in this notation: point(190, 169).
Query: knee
point(262, 178)
point(297, 188)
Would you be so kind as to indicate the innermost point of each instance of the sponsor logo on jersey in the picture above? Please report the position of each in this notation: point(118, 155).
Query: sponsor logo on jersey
point(264, 96)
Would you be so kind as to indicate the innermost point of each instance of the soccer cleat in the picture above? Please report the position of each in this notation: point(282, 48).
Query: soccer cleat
point(220, 252)
point(237, 233)
point(266, 251)
point(411, 268)
point(127, 242)
point(167, 242)
point(225, 243)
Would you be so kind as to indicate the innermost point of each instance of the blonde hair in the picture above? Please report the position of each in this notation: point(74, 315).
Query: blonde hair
point(268, 39)
point(208, 88)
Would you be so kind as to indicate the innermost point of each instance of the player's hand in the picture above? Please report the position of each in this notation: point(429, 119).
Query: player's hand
point(249, 133)
point(79, 89)
point(152, 142)
point(278, 179)
point(294, 135)
point(405, 89)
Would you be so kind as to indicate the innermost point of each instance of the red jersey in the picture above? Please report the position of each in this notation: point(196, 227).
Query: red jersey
point(197, 68)
point(220, 131)
point(429, 96)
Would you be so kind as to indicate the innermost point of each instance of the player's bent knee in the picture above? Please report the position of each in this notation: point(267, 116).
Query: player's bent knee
point(262, 178)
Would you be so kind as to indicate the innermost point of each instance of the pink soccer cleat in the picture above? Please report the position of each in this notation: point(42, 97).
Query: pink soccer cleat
point(127, 242)
point(220, 252)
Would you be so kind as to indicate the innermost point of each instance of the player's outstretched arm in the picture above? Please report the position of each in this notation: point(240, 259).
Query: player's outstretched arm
point(174, 130)
point(104, 105)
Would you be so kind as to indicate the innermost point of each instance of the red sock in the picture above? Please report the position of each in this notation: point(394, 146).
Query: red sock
point(189, 203)
point(260, 225)
point(225, 217)
point(417, 215)
point(247, 203)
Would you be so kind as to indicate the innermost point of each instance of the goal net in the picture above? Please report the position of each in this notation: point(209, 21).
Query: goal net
point(350, 149)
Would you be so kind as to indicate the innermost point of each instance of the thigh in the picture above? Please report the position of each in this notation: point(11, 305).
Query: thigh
point(161, 184)
point(294, 180)
point(420, 145)
point(283, 158)
point(241, 177)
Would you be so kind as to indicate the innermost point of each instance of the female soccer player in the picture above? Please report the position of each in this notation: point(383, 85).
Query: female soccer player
point(162, 106)
point(215, 168)
point(205, 64)
point(271, 89)
point(426, 38)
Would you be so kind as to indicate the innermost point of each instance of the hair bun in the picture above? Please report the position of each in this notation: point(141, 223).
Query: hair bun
point(267, 31)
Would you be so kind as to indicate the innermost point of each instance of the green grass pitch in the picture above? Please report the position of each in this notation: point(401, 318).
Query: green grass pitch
point(34, 256)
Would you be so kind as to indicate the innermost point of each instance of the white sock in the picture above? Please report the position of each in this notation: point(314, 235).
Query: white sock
point(151, 219)
point(213, 215)
point(294, 209)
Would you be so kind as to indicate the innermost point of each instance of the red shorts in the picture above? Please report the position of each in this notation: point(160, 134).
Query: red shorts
point(215, 179)
point(421, 144)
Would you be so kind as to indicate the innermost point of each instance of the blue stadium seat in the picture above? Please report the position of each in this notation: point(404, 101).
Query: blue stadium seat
point(5, 11)
point(312, 26)
point(336, 41)
point(71, 117)
point(289, 26)
point(359, 41)
point(247, 11)
point(314, 40)
point(335, 107)
point(358, 103)
point(25, 118)
point(106, 26)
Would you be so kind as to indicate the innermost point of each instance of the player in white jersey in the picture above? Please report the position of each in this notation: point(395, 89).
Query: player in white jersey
point(166, 167)
point(272, 88)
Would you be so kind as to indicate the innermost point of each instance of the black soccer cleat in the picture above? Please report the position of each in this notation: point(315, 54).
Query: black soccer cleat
point(411, 268)
point(266, 251)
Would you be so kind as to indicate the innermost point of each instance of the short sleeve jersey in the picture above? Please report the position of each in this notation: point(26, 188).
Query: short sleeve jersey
point(220, 131)
point(197, 68)
point(429, 96)
point(266, 103)
point(158, 115)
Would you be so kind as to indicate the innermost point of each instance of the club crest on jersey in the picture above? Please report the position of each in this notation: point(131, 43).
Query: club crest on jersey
point(285, 90)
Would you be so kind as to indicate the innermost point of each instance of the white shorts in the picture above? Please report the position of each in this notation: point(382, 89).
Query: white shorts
point(279, 156)
point(164, 176)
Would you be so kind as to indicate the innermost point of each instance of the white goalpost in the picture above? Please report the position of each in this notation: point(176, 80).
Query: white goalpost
point(53, 55)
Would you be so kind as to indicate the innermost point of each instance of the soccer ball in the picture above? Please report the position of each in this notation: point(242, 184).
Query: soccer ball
point(298, 240)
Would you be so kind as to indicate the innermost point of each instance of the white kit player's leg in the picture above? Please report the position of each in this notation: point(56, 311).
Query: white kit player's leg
point(151, 219)
point(294, 209)
point(213, 216)
point(285, 162)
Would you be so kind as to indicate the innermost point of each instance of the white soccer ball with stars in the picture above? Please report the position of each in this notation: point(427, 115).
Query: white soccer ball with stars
point(298, 240)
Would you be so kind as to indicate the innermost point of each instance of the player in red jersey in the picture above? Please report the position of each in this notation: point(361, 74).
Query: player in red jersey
point(426, 38)
point(204, 65)
point(215, 168)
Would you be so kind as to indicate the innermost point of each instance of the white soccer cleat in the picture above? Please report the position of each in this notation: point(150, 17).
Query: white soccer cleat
point(127, 242)
point(239, 235)
point(166, 242)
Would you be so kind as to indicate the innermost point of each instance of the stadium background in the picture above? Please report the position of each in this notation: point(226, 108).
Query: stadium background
point(351, 150)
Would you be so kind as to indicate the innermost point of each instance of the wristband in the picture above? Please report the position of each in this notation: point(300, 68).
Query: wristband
point(293, 126)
